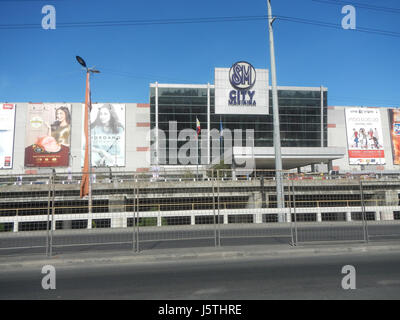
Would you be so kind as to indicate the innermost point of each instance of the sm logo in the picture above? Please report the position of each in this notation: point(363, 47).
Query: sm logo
point(242, 75)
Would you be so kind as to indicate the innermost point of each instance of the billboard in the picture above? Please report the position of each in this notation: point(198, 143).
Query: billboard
point(364, 136)
point(48, 135)
point(7, 125)
point(242, 89)
point(394, 122)
point(107, 135)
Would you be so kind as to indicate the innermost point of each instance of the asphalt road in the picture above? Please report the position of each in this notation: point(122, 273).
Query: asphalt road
point(192, 236)
point(304, 277)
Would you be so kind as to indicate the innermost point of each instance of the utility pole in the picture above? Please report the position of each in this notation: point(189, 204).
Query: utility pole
point(275, 108)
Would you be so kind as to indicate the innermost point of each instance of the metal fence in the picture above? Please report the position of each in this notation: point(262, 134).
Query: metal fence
point(145, 210)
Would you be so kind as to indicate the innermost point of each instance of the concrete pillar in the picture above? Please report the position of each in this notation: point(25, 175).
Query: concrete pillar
point(118, 222)
point(15, 226)
point(377, 215)
point(391, 198)
point(225, 218)
point(258, 217)
point(348, 216)
point(192, 220)
point(288, 217)
point(255, 200)
point(330, 165)
point(319, 217)
point(387, 215)
point(116, 204)
point(89, 223)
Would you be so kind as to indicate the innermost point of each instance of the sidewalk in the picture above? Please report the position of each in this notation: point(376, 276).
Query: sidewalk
point(253, 252)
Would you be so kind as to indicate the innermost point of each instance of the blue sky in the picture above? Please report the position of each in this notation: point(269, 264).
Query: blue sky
point(39, 65)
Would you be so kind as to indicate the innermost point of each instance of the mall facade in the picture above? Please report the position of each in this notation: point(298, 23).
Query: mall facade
point(195, 126)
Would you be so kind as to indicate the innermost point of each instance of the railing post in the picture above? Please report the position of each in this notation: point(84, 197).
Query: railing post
point(48, 217)
point(53, 225)
point(138, 212)
point(134, 215)
point(218, 227)
point(364, 217)
point(294, 213)
point(213, 203)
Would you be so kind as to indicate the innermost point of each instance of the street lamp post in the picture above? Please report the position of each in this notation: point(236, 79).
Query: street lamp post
point(275, 108)
point(88, 140)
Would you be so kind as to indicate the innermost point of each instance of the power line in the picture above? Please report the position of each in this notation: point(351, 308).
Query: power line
point(137, 22)
point(360, 5)
point(337, 26)
point(125, 23)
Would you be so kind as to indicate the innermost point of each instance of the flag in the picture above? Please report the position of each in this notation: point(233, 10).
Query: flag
point(198, 128)
point(88, 107)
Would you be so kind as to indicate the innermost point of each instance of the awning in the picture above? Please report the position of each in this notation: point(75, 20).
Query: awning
point(292, 157)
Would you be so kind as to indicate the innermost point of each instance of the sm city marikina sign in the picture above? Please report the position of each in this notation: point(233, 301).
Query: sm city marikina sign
point(241, 90)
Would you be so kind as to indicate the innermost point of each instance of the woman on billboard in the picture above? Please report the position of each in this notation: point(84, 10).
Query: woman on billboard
point(51, 143)
point(106, 133)
point(60, 130)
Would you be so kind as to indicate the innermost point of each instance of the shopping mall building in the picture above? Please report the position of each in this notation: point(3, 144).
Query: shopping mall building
point(196, 126)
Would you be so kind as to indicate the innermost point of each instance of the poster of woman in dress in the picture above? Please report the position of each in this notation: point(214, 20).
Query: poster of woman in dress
point(107, 135)
point(48, 135)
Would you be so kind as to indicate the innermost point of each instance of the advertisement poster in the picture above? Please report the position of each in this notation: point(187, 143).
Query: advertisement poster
point(107, 135)
point(394, 122)
point(48, 135)
point(364, 136)
point(7, 125)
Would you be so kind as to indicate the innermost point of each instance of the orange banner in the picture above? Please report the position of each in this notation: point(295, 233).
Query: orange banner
point(86, 174)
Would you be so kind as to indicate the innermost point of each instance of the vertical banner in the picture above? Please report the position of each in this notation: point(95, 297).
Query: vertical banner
point(7, 127)
point(394, 122)
point(85, 182)
point(48, 135)
point(364, 136)
point(107, 134)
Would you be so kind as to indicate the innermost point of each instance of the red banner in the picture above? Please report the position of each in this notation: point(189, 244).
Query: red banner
point(366, 154)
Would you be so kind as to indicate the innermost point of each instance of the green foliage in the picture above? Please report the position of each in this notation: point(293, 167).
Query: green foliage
point(225, 170)
point(147, 222)
point(164, 222)
point(188, 175)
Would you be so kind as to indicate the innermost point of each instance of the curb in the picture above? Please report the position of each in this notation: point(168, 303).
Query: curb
point(180, 255)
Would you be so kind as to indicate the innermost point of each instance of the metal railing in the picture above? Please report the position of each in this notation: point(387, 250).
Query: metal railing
point(215, 207)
